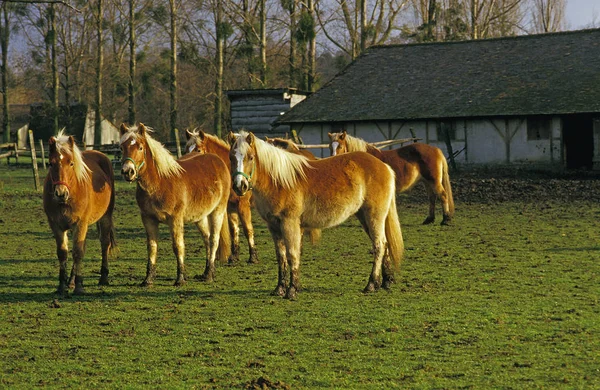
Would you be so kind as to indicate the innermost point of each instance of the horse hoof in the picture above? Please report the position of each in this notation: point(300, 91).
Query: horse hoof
point(428, 220)
point(445, 222)
point(205, 278)
point(370, 288)
point(253, 259)
point(387, 284)
point(232, 260)
point(146, 283)
point(279, 291)
point(292, 293)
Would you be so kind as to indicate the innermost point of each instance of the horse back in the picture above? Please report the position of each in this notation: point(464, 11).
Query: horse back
point(413, 161)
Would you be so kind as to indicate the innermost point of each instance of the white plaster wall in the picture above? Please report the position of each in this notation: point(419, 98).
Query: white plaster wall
point(484, 144)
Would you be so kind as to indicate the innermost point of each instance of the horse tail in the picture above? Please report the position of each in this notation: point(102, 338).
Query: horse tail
point(448, 188)
point(393, 233)
point(113, 250)
point(224, 248)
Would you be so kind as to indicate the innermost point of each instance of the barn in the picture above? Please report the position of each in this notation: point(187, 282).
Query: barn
point(528, 100)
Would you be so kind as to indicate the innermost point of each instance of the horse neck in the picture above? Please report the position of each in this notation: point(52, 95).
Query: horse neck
point(150, 181)
point(219, 149)
point(374, 151)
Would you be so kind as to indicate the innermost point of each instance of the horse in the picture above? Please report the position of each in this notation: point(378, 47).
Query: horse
point(238, 207)
point(174, 192)
point(412, 163)
point(290, 146)
point(292, 193)
point(79, 190)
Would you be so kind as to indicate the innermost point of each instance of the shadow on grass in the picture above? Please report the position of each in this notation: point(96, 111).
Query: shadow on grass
point(583, 249)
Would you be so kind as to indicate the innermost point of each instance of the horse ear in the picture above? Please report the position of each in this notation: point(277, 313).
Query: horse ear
point(52, 144)
point(142, 129)
point(230, 138)
point(343, 135)
point(250, 139)
point(188, 134)
point(201, 134)
point(330, 136)
point(123, 129)
point(268, 140)
point(71, 141)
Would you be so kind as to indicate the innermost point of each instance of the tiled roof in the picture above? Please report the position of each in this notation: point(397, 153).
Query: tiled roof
point(557, 73)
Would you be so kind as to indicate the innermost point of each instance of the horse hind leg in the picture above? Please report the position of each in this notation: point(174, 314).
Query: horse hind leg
point(431, 197)
point(234, 231)
point(245, 213)
point(62, 252)
point(107, 244)
point(280, 252)
point(376, 231)
point(79, 235)
point(292, 237)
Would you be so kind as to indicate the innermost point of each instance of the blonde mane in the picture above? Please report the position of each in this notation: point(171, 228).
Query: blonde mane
point(284, 168)
point(355, 144)
point(82, 171)
point(165, 163)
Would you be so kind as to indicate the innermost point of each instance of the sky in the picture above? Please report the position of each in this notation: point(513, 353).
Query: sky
point(582, 13)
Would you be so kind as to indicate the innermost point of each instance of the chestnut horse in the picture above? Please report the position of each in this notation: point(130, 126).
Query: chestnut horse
point(192, 189)
point(411, 163)
point(292, 193)
point(238, 207)
point(290, 146)
point(78, 191)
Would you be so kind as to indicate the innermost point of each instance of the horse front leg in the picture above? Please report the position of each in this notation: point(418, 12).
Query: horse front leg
point(178, 249)
point(245, 212)
point(280, 253)
point(62, 252)
point(107, 240)
point(292, 237)
point(388, 270)
point(151, 227)
point(79, 234)
point(234, 232)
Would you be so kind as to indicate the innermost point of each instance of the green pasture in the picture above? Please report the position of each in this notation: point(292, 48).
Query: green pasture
point(506, 297)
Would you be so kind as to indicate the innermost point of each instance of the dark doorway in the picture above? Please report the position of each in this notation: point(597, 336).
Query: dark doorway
point(578, 137)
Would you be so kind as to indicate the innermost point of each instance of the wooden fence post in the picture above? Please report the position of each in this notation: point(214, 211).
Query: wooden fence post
point(43, 155)
point(177, 144)
point(36, 176)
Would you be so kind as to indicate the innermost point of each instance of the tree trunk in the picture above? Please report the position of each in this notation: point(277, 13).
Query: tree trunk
point(363, 25)
point(173, 55)
point(312, 50)
point(4, 37)
point(132, 64)
point(263, 43)
point(293, 81)
point(54, 70)
point(100, 56)
point(218, 120)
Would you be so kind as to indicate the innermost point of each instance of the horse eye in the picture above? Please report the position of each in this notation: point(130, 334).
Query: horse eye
point(72, 163)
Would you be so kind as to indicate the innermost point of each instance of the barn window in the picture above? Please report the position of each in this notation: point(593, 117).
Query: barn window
point(442, 127)
point(538, 128)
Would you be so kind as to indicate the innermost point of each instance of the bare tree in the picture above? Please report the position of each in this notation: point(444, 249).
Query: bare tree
point(547, 15)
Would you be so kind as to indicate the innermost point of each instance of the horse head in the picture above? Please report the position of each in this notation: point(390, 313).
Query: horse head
point(133, 147)
point(66, 166)
point(195, 141)
point(242, 155)
point(337, 144)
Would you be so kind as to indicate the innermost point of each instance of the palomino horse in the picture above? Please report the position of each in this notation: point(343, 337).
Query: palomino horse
point(192, 189)
point(411, 163)
point(292, 193)
point(238, 207)
point(79, 191)
point(290, 146)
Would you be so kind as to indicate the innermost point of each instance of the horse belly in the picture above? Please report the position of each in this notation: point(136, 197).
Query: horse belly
point(319, 213)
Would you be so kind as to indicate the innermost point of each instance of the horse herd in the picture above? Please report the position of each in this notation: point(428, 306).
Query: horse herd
point(215, 185)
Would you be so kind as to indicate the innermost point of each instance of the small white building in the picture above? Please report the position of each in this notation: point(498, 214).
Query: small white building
point(520, 100)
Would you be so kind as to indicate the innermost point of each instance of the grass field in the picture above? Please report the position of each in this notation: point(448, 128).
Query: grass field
point(507, 297)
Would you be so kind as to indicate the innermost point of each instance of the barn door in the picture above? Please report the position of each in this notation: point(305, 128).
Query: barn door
point(578, 141)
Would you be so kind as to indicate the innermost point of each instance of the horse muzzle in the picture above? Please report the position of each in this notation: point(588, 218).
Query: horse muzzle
point(240, 186)
point(61, 194)
point(128, 173)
